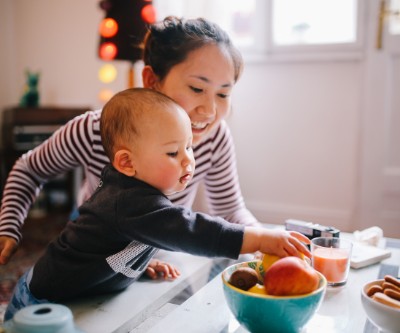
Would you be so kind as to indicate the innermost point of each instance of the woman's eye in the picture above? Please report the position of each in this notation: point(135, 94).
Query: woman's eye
point(223, 95)
point(173, 154)
point(196, 90)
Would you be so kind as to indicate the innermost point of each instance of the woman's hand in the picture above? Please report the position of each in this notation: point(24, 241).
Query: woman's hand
point(8, 246)
point(158, 268)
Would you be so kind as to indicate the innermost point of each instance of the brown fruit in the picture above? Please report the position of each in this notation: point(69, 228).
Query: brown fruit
point(244, 278)
point(290, 276)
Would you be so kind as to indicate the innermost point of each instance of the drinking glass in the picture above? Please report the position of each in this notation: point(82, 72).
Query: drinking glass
point(331, 257)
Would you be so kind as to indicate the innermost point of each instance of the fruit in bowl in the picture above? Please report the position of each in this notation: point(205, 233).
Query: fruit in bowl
point(258, 311)
point(378, 298)
point(290, 276)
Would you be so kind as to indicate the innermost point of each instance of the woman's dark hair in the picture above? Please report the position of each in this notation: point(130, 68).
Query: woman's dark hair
point(169, 42)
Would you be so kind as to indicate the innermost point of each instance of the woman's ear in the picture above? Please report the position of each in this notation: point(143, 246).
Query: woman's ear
point(149, 78)
point(124, 162)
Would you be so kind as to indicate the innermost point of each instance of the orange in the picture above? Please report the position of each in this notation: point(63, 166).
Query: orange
point(268, 260)
point(257, 289)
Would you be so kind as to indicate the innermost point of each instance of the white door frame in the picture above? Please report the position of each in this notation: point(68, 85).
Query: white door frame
point(380, 146)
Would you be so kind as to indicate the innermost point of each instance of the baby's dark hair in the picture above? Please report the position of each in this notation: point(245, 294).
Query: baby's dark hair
point(169, 42)
point(121, 115)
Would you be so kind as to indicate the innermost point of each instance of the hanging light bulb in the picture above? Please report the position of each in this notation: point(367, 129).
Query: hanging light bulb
point(105, 95)
point(105, 5)
point(108, 27)
point(148, 14)
point(107, 73)
point(108, 51)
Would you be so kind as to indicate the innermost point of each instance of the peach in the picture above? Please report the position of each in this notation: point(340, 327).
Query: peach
point(290, 276)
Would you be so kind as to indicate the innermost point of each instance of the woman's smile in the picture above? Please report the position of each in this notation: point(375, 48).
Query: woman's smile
point(199, 125)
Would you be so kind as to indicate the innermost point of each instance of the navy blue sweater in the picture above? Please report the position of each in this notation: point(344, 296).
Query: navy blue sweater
point(118, 231)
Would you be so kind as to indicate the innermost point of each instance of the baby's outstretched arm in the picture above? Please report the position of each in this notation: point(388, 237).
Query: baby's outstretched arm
point(157, 268)
point(279, 242)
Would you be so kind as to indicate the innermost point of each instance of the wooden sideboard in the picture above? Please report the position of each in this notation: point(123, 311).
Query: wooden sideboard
point(25, 128)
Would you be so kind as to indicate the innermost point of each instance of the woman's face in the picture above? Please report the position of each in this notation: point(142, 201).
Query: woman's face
point(202, 86)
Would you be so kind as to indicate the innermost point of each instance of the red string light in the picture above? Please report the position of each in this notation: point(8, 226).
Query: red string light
point(108, 27)
point(108, 51)
point(148, 14)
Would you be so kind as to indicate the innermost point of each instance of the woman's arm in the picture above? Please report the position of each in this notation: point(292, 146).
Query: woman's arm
point(69, 147)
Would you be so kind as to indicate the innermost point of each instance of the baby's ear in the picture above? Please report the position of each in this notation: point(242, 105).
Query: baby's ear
point(124, 162)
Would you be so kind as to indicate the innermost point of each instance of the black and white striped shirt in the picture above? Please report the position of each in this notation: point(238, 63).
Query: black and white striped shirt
point(78, 143)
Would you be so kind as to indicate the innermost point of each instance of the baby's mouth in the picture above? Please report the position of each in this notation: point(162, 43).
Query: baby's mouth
point(185, 178)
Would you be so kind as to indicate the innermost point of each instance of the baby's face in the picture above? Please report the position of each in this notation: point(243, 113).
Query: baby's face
point(163, 153)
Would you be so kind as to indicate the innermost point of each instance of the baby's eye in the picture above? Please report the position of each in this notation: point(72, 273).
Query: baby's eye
point(196, 90)
point(190, 148)
point(173, 154)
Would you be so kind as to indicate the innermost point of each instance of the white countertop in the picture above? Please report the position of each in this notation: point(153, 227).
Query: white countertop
point(341, 310)
point(152, 306)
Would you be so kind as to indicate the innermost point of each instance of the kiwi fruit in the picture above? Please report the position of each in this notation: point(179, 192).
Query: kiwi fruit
point(244, 278)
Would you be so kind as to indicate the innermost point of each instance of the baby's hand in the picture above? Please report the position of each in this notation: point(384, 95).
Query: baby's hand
point(157, 268)
point(278, 242)
point(288, 243)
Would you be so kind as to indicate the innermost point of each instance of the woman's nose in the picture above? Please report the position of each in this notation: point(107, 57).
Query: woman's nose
point(208, 107)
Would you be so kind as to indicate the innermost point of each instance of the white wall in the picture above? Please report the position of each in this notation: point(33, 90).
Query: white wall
point(296, 125)
point(59, 39)
point(296, 128)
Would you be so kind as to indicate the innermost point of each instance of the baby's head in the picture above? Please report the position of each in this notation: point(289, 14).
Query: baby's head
point(148, 136)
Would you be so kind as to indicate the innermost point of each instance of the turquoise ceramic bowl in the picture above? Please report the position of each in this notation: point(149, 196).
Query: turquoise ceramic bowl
point(273, 314)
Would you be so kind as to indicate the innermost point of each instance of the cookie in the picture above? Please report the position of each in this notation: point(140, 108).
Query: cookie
point(393, 280)
point(374, 289)
point(386, 300)
point(392, 294)
point(389, 285)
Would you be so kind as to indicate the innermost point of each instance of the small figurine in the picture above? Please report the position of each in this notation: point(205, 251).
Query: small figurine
point(30, 98)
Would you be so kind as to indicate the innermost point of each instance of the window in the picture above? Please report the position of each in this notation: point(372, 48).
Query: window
point(268, 29)
point(234, 16)
point(394, 18)
point(305, 22)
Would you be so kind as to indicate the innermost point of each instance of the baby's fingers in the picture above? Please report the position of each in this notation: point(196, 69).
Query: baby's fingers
point(300, 246)
point(151, 273)
point(300, 237)
point(167, 270)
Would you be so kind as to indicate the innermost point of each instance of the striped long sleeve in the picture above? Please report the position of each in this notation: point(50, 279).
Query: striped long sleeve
point(78, 143)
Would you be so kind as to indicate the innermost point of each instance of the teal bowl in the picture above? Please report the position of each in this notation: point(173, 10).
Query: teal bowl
point(41, 318)
point(265, 313)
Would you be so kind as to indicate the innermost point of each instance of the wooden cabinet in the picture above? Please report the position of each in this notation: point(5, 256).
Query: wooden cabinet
point(25, 128)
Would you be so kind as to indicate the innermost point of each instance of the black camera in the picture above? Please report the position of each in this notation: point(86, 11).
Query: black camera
point(311, 230)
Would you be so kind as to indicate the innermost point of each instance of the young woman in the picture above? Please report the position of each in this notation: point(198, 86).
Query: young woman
point(194, 63)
